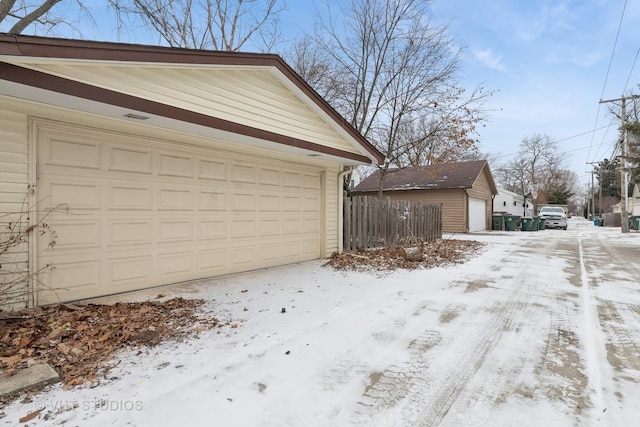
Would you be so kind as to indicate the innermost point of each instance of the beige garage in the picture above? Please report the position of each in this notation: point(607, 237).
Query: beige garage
point(150, 212)
point(156, 183)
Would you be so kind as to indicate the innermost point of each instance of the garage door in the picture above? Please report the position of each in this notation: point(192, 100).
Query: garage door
point(145, 213)
point(477, 215)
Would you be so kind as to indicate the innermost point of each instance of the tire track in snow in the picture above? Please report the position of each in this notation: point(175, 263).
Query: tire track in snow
point(590, 329)
point(430, 403)
point(561, 371)
point(428, 384)
point(622, 349)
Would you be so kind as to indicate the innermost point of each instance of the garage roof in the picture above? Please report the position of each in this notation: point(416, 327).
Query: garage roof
point(248, 98)
point(443, 176)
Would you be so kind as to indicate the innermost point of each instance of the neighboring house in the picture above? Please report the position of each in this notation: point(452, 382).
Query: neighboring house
point(507, 202)
point(175, 164)
point(465, 191)
point(635, 197)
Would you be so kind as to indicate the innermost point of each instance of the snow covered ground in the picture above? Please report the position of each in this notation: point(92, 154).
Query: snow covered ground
point(540, 328)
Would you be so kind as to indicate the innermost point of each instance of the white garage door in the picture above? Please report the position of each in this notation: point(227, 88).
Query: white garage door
point(477, 215)
point(146, 213)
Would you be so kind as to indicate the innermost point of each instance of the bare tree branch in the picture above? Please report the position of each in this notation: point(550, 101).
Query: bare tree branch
point(392, 75)
point(228, 25)
point(34, 15)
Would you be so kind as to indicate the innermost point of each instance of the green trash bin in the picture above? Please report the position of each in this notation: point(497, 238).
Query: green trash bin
point(527, 223)
point(510, 222)
point(536, 223)
point(541, 224)
point(497, 222)
point(635, 222)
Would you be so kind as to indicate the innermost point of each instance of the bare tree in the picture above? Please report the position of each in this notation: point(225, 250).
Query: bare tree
point(226, 25)
point(18, 15)
point(539, 168)
point(392, 75)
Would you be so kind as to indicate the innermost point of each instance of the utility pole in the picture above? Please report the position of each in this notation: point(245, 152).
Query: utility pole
point(623, 162)
point(593, 200)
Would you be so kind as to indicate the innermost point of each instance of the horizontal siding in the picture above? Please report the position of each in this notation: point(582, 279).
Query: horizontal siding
point(253, 97)
point(453, 207)
point(331, 191)
point(14, 180)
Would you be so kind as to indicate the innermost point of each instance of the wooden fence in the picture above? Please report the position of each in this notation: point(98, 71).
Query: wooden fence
point(371, 222)
point(612, 219)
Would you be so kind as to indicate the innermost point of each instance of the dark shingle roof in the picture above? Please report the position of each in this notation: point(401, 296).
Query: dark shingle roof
point(443, 176)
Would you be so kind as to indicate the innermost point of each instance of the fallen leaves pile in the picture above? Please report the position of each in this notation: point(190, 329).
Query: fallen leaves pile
point(437, 253)
point(78, 340)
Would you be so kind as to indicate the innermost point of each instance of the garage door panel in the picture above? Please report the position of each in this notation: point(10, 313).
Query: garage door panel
point(172, 231)
point(127, 232)
point(243, 202)
point(311, 225)
point(269, 203)
point(175, 165)
point(292, 204)
point(311, 204)
point(212, 261)
point(176, 263)
point(173, 199)
point(243, 256)
point(269, 177)
point(242, 173)
point(212, 229)
point(291, 249)
point(132, 268)
point(81, 234)
point(310, 247)
point(210, 200)
point(269, 227)
point(312, 182)
point(124, 159)
point(243, 228)
point(84, 195)
point(154, 215)
point(74, 154)
point(79, 276)
point(292, 179)
point(214, 170)
point(270, 251)
point(134, 197)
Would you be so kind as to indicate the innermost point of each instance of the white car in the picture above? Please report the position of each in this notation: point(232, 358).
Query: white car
point(554, 216)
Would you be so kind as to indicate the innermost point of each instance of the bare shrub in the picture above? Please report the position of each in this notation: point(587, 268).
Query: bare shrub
point(16, 228)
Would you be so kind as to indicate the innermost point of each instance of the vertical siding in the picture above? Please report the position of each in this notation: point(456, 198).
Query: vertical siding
point(14, 180)
point(453, 205)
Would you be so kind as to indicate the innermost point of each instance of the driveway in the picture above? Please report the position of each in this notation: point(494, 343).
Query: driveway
point(540, 328)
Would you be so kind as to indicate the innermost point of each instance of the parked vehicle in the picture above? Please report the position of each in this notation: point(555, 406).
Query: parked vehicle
point(554, 216)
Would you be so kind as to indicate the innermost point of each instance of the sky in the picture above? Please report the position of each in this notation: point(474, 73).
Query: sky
point(548, 62)
point(492, 341)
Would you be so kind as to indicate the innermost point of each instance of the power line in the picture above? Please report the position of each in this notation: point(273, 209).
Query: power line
point(604, 86)
point(631, 72)
point(564, 139)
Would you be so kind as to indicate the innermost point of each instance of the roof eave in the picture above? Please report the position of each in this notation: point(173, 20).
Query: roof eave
point(40, 47)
